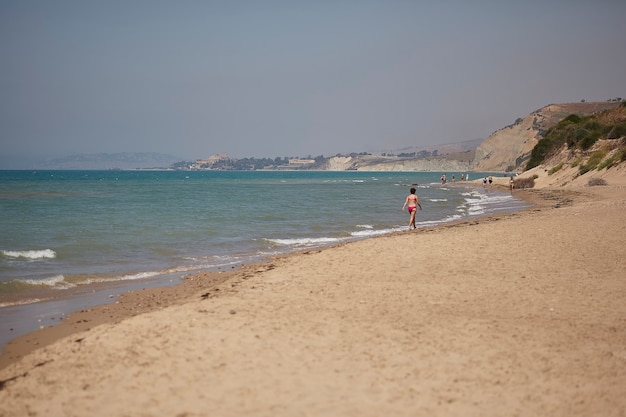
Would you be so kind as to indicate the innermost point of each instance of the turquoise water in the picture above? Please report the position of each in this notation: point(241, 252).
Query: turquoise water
point(64, 230)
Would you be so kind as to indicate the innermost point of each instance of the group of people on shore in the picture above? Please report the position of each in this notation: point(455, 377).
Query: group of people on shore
point(412, 202)
point(444, 178)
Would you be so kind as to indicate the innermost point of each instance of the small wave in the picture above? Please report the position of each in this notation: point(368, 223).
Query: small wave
point(371, 233)
point(57, 282)
point(304, 241)
point(30, 254)
point(50, 282)
point(211, 262)
point(431, 223)
point(365, 226)
point(86, 279)
point(437, 200)
point(61, 282)
point(476, 210)
point(499, 198)
point(21, 302)
point(140, 275)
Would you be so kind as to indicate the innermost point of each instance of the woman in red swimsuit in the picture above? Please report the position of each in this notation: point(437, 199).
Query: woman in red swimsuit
point(412, 203)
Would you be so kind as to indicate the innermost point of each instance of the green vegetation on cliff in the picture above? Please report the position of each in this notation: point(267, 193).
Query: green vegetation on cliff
point(580, 133)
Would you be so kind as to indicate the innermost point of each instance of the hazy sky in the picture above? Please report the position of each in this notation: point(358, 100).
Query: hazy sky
point(292, 78)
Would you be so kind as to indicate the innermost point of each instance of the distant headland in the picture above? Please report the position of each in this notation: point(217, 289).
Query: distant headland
point(509, 149)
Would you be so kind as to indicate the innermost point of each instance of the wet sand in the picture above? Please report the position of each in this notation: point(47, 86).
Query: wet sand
point(518, 314)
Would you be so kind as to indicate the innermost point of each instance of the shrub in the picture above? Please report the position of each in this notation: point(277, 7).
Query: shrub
point(593, 162)
point(524, 182)
point(572, 118)
point(539, 153)
point(618, 131)
point(556, 169)
point(596, 181)
point(584, 137)
point(617, 157)
point(591, 124)
point(576, 132)
point(608, 162)
point(588, 140)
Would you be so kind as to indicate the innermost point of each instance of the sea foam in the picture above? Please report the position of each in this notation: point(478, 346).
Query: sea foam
point(30, 254)
point(305, 241)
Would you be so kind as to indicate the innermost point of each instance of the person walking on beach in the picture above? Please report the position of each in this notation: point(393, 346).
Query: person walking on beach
point(412, 203)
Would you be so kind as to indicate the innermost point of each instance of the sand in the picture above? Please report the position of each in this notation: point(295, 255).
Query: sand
point(522, 314)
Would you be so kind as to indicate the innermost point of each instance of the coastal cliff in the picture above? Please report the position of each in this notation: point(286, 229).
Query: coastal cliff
point(509, 148)
point(375, 164)
point(506, 150)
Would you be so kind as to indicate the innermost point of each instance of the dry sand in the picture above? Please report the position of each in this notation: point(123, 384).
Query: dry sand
point(518, 315)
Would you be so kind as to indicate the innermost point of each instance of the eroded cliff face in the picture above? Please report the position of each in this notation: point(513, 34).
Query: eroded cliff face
point(377, 164)
point(509, 148)
point(429, 165)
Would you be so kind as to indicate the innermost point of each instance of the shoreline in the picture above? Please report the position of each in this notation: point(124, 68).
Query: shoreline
point(529, 322)
point(57, 308)
point(155, 296)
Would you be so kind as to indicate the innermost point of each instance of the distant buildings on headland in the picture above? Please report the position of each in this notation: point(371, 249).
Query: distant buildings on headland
point(222, 161)
point(422, 161)
point(208, 163)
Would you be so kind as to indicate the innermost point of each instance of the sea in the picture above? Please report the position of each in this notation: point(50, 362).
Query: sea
point(70, 239)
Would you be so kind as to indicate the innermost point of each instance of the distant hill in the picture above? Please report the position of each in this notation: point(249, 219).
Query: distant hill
point(126, 160)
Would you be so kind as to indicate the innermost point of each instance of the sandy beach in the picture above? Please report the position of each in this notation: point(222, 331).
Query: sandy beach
point(521, 314)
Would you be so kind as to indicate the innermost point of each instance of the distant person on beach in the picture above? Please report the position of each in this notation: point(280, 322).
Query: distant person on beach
point(443, 179)
point(462, 177)
point(490, 180)
point(484, 182)
point(511, 183)
point(412, 203)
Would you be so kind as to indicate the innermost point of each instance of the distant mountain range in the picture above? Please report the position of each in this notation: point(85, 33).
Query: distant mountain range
point(126, 160)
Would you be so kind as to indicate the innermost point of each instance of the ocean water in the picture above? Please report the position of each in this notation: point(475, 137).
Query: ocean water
point(64, 231)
